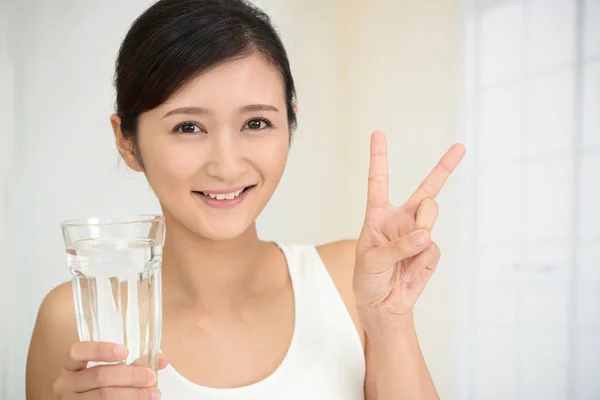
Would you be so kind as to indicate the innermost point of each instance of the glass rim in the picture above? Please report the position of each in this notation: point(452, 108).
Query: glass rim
point(108, 220)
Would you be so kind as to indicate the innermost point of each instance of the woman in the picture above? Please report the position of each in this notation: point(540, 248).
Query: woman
point(206, 110)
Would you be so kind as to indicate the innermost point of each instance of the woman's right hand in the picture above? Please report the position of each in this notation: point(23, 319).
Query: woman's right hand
point(122, 382)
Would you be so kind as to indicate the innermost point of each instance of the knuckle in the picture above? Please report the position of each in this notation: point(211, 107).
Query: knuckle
point(378, 177)
point(432, 267)
point(437, 253)
point(58, 387)
point(428, 188)
point(418, 265)
point(73, 351)
point(138, 375)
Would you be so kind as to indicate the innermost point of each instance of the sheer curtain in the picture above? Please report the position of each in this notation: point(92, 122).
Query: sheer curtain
point(534, 296)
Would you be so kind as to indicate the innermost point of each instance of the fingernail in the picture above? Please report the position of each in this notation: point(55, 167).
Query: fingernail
point(419, 239)
point(407, 276)
point(151, 377)
point(155, 394)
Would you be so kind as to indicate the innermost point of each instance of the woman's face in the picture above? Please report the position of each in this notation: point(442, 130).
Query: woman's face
point(215, 152)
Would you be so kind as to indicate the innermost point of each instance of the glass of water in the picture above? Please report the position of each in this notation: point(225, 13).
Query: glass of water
point(115, 265)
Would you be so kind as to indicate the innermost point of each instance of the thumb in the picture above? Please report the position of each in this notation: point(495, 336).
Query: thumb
point(393, 252)
point(163, 361)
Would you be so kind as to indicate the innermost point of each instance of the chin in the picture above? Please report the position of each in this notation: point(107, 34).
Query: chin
point(220, 228)
point(222, 233)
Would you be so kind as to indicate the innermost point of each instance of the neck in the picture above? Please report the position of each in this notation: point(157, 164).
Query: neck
point(210, 274)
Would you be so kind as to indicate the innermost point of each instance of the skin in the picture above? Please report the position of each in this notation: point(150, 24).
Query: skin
point(239, 299)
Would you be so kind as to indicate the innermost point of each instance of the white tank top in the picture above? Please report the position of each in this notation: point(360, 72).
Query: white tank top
point(325, 360)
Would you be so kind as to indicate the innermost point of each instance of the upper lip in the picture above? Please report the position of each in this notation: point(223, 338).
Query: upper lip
point(224, 191)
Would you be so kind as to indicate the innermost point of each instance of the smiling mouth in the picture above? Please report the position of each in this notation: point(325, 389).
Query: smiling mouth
point(225, 196)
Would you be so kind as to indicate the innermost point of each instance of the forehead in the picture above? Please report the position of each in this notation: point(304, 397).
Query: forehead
point(234, 83)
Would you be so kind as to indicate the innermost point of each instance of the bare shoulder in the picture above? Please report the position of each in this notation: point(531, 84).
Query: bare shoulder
point(58, 305)
point(339, 258)
point(54, 333)
point(339, 255)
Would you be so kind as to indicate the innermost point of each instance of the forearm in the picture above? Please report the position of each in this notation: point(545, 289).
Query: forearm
point(396, 368)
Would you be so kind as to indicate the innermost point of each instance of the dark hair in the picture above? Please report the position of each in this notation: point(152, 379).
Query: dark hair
point(174, 41)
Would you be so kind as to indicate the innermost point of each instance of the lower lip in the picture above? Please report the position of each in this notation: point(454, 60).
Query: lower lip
point(214, 203)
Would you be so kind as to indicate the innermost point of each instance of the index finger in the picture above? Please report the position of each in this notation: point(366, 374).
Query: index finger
point(433, 183)
point(83, 352)
point(378, 188)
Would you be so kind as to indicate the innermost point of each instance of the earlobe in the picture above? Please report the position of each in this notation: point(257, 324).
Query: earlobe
point(124, 145)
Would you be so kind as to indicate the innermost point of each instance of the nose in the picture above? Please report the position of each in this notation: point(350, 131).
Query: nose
point(226, 162)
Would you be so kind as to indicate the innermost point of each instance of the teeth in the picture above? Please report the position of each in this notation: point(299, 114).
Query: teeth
point(226, 196)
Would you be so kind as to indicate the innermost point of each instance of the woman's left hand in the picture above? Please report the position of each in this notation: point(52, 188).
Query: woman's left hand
point(395, 256)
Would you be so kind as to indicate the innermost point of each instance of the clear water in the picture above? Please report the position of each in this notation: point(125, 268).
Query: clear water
point(117, 291)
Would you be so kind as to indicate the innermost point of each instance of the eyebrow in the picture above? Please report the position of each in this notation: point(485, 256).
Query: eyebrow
point(202, 110)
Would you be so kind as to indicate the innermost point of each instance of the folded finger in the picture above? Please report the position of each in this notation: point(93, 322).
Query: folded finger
point(426, 261)
point(163, 361)
point(83, 352)
point(113, 376)
point(393, 252)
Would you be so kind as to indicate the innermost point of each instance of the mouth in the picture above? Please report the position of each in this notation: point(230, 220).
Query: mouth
point(224, 199)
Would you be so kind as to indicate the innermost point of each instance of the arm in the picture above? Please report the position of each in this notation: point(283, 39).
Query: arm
point(396, 368)
point(54, 333)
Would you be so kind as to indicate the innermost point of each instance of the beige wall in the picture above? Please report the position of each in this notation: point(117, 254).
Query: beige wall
point(402, 66)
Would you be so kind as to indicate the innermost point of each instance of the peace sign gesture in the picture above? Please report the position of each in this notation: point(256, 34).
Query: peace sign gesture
point(395, 256)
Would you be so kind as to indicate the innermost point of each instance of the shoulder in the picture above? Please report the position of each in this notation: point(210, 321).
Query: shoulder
point(54, 333)
point(56, 315)
point(338, 258)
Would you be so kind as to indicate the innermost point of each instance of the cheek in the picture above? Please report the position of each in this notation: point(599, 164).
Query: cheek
point(273, 157)
point(170, 165)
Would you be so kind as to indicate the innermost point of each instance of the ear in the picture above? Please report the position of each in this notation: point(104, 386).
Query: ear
point(295, 108)
point(124, 145)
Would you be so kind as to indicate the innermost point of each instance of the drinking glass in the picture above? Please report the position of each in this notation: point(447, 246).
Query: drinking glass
point(115, 265)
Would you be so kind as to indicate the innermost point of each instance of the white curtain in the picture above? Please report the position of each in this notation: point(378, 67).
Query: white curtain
point(534, 126)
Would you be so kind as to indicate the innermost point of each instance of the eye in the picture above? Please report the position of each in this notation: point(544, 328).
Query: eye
point(187, 128)
point(258, 124)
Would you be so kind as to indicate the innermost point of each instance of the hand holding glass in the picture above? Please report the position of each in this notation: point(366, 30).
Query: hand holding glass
point(115, 265)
